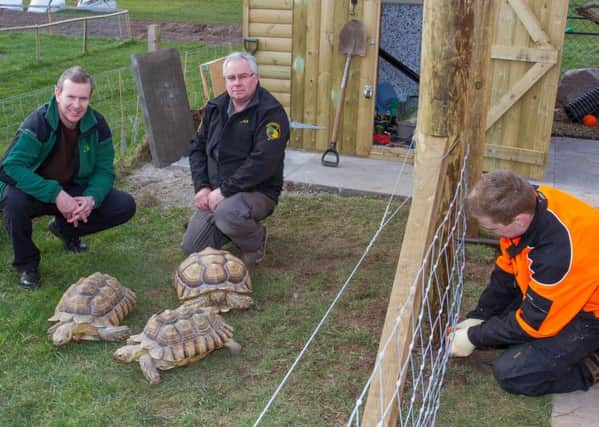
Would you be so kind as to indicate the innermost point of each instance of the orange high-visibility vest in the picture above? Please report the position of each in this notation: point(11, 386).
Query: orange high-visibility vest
point(555, 263)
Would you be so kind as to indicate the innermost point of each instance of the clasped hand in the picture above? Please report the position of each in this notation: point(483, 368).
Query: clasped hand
point(207, 199)
point(74, 209)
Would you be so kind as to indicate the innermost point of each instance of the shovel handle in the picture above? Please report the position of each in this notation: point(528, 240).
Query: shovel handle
point(340, 100)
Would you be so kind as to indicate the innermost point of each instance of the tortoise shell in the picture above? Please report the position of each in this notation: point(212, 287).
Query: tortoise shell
point(214, 278)
point(99, 300)
point(178, 337)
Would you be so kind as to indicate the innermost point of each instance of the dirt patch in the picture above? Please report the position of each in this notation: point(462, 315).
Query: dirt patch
point(169, 31)
point(151, 186)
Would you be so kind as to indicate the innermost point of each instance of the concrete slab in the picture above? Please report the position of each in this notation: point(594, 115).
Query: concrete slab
point(577, 409)
point(167, 115)
point(573, 166)
point(353, 175)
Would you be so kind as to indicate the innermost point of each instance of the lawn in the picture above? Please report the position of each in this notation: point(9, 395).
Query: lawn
point(206, 11)
point(314, 243)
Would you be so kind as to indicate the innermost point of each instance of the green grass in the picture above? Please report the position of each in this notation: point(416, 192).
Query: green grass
point(197, 11)
point(314, 242)
point(194, 11)
point(19, 73)
point(115, 93)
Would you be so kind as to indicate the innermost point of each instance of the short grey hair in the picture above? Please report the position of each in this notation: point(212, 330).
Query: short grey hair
point(241, 56)
point(75, 74)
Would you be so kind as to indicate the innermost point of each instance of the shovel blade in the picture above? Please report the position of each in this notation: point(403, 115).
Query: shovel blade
point(352, 39)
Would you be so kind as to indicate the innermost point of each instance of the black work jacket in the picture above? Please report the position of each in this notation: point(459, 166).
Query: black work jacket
point(244, 152)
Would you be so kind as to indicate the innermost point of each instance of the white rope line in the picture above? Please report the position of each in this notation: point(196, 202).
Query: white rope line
point(395, 190)
point(385, 220)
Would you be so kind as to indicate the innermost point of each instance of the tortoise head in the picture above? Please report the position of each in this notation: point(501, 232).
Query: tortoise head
point(63, 334)
point(128, 353)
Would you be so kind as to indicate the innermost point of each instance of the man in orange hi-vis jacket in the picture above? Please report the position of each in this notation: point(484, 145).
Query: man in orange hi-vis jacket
point(542, 301)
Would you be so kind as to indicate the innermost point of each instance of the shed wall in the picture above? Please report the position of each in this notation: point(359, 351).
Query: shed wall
point(299, 54)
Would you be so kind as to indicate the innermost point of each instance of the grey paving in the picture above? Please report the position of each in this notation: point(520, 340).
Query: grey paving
point(353, 175)
point(573, 166)
point(577, 409)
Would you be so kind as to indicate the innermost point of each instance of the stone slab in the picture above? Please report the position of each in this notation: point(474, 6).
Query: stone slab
point(167, 115)
point(576, 409)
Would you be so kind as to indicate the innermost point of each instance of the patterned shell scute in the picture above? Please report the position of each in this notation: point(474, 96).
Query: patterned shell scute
point(209, 271)
point(184, 333)
point(99, 299)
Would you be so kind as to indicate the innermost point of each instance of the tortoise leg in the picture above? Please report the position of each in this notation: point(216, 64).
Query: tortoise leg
point(233, 346)
point(149, 369)
point(114, 333)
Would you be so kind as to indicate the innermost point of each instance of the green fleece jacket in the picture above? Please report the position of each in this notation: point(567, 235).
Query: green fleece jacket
point(35, 140)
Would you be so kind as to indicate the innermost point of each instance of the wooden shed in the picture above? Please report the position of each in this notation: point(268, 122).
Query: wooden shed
point(299, 62)
point(298, 43)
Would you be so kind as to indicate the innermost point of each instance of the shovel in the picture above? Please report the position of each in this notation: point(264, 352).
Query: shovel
point(352, 41)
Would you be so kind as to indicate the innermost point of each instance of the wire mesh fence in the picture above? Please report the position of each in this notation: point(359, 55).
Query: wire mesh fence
point(115, 96)
point(43, 30)
point(581, 44)
point(419, 329)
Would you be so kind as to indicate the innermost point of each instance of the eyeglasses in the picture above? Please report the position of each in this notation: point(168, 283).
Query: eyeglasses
point(241, 77)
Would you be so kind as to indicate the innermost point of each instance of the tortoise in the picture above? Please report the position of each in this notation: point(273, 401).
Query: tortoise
point(214, 278)
point(174, 338)
point(92, 309)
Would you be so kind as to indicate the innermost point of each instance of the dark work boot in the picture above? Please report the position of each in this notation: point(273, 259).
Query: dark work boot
point(30, 279)
point(73, 244)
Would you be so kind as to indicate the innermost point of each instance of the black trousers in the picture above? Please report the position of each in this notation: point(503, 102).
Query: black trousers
point(551, 365)
point(20, 208)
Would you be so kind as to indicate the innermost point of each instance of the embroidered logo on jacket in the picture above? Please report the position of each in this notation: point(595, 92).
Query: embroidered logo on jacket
point(245, 121)
point(273, 131)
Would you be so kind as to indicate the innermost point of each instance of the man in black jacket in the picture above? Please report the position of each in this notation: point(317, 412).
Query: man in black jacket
point(236, 163)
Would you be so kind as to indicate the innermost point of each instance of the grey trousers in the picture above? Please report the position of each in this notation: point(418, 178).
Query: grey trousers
point(236, 218)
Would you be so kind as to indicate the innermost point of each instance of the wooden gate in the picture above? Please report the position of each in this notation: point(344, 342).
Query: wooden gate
point(525, 61)
point(299, 62)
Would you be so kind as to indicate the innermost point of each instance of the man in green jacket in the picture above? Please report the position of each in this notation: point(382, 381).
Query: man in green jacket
point(60, 163)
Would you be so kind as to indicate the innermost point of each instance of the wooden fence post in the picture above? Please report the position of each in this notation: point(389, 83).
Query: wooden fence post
point(448, 26)
point(85, 36)
point(37, 45)
point(153, 37)
point(478, 94)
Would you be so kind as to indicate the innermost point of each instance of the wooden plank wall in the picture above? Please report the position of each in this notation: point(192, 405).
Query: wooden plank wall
point(271, 22)
point(319, 78)
point(525, 59)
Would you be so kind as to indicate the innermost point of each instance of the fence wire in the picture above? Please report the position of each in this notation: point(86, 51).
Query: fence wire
point(439, 283)
point(581, 44)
